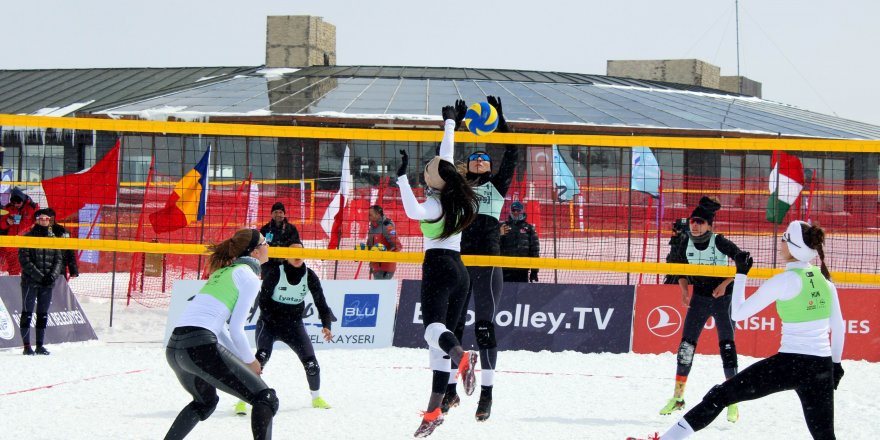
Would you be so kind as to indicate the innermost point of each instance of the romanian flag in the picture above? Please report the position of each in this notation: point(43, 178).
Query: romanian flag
point(786, 183)
point(188, 201)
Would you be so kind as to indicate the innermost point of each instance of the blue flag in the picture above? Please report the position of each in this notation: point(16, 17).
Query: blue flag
point(564, 182)
point(645, 171)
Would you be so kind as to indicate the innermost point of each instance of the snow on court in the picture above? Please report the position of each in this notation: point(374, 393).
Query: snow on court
point(120, 387)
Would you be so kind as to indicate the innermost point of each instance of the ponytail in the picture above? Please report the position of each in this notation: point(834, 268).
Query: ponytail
point(814, 238)
point(457, 200)
point(225, 252)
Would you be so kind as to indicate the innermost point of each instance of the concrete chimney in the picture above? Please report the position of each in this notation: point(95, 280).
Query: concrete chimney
point(741, 85)
point(299, 41)
point(690, 72)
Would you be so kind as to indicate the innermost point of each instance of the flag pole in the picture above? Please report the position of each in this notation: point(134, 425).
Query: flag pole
point(116, 236)
point(659, 214)
point(775, 206)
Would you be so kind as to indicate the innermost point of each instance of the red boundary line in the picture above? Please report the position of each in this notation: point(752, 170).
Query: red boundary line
point(70, 382)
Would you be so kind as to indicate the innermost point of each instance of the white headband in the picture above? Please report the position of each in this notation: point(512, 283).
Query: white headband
point(795, 237)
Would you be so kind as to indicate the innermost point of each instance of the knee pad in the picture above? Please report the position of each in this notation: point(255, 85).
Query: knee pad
point(438, 360)
point(25, 320)
point(311, 366)
point(263, 356)
point(204, 410)
point(42, 320)
point(728, 354)
point(433, 332)
point(485, 332)
point(686, 353)
point(267, 397)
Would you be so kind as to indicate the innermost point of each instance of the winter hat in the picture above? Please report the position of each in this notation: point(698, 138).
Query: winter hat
point(278, 206)
point(16, 195)
point(50, 212)
point(794, 236)
point(516, 206)
point(706, 209)
point(47, 212)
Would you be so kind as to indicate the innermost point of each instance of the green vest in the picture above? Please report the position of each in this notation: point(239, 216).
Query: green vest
point(711, 256)
point(431, 230)
point(814, 301)
point(287, 293)
point(489, 200)
point(221, 286)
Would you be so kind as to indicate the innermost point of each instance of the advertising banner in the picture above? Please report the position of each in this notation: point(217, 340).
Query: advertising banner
point(67, 322)
point(659, 316)
point(535, 317)
point(364, 310)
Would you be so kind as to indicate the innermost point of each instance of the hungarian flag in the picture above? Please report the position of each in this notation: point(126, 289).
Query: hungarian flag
point(188, 201)
point(95, 185)
point(786, 183)
point(331, 222)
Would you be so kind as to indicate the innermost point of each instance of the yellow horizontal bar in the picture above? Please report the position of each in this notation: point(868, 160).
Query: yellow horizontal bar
point(623, 141)
point(417, 257)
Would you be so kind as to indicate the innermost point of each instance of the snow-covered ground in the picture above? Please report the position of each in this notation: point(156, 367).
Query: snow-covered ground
point(120, 387)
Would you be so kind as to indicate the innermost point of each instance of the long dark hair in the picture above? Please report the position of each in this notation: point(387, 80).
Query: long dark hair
point(457, 200)
point(225, 252)
point(814, 238)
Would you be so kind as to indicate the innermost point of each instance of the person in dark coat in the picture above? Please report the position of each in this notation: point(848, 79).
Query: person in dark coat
point(519, 239)
point(279, 232)
point(40, 269)
point(69, 268)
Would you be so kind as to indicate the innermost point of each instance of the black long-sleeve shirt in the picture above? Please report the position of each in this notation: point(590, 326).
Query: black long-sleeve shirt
point(482, 237)
point(704, 285)
point(281, 314)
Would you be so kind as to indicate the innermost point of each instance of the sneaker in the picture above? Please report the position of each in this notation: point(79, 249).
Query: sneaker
point(450, 400)
point(319, 402)
point(28, 351)
point(41, 350)
point(674, 404)
point(430, 421)
point(466, 371)
point(484, 408)
point(656, 436)
point(732, 413)
point(241, 408)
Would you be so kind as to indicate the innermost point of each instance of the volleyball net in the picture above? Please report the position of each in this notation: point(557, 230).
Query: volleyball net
point(605, 208)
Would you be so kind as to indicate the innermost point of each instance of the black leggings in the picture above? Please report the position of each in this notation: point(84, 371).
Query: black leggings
point(699, 311)
point(485, 288)
point(444, 287)
point(202, 366)
point(294, 334)
point(811, 377)
point(39, 297)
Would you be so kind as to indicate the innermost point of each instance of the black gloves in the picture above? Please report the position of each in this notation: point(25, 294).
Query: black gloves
point(48, 279)
point(460, 111)
point(533, 276)
point(404, 161)
point(743, 262)
point(448, 112)
point(502, 123)
point(838, 373)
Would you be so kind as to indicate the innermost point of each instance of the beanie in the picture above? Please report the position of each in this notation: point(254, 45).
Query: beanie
point(516, 206)
point(706, 209)
point(278, 206)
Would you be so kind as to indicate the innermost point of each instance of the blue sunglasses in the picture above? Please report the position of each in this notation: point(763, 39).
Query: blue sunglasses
point(482, 156)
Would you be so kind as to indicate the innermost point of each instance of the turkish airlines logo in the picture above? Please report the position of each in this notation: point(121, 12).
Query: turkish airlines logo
point(664, 321)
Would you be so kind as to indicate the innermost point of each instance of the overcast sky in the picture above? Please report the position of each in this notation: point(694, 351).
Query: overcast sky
point(817, 55)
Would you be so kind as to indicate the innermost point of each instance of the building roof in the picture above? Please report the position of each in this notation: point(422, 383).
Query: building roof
point(569, 101)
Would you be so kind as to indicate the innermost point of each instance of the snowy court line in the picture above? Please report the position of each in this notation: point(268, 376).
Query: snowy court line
point(67, 382)
point(536, 373)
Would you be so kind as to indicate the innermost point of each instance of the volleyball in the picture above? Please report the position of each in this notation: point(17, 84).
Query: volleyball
point(481, 118)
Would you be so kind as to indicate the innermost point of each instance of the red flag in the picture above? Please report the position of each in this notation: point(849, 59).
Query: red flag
point(336, 229)
point(97, 185)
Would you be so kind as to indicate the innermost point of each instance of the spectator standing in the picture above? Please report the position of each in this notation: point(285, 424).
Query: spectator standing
point(382, 234)
point(279, 232)
point(519, 239)
point(18, 220)
point(40, 268)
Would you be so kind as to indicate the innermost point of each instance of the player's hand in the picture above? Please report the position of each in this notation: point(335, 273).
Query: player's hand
point(685, 297)
point(838, 374)
point(404, 163)
point(505, 228)
point(743, 262)
point(719, 291)
point(255, 367)
point(328, 335)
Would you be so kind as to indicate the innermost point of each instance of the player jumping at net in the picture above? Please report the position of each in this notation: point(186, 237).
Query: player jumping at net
point(208, 348)
point(448, 208)
point(711, 297)
point(282, 302)
point(807, 361)
point(483, 237)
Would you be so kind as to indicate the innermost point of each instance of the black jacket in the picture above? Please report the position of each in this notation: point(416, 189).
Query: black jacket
point(68, 256)
point(482, 237)
point(281, 314)
point(281, 236)
point(521, 240)
point(704, 285)
point(36, 264)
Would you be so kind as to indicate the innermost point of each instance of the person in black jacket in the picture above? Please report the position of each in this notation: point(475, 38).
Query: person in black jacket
point(519, 239)
point(483, 237)
point(711, 297)
point(282, 303)
point(279, 232)
point(39, 270)
point(69, 268)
